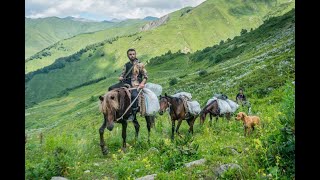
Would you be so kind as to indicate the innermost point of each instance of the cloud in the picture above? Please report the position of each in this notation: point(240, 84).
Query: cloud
point(105, 9)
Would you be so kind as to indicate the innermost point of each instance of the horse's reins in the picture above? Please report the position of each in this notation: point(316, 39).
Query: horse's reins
point(121, 117)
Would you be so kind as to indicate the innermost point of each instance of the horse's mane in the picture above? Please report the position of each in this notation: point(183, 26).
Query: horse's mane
point(177, 99)
point(108, 104)
point(207, 106)
point(174, 98)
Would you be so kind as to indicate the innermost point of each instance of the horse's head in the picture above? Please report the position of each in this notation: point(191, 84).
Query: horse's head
point(164, 103)
point(110, 104)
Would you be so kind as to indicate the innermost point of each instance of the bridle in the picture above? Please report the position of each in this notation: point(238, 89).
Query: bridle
point(170, 105)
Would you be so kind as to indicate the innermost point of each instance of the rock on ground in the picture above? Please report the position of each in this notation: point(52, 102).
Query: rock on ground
point(148, 177)
point(58, 178)
point(220, 170)
point(197, 162)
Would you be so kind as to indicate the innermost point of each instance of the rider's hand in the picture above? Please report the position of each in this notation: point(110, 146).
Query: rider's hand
point(141, 85)
point(120, 78)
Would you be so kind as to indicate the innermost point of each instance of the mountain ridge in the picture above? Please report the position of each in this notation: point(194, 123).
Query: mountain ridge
point(109, 57)
point(43, 32)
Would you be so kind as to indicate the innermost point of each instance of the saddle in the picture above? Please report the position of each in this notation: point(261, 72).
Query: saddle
point(185, 104)
point(144, 99)
point(141, 101)
point(185, 98)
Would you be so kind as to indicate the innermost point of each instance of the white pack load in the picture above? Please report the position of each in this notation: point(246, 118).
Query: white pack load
point(151, 101)
point(156, 88)
point(224, 106)
point(186, 94)
point(234, 106)
point(221, 96)
point(194, 107)
point(210, 100)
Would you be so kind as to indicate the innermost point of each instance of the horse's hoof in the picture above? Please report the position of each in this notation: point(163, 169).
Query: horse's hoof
point(124, 149)
point(105, 152)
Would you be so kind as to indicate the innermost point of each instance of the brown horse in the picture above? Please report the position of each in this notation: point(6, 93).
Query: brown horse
point(213, 109)
point(113, 106)
point(177, 112)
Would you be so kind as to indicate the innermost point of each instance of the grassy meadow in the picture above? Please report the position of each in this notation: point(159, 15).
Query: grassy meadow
point(63, 137)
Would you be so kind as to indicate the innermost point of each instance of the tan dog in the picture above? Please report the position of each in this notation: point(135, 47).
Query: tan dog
point(248, 121)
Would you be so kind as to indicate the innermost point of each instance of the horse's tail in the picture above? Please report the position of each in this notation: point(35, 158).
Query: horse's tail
point(201, 112)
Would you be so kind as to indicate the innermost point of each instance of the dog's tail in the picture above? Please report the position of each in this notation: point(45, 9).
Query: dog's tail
point(261, 123)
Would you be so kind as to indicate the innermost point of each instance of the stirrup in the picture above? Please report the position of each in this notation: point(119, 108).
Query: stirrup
point(131, 118)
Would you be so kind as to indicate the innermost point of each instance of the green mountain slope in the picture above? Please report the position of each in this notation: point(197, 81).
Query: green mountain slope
point(43, 32)
point(211, 21)
point(71, 45)
point(261, 61)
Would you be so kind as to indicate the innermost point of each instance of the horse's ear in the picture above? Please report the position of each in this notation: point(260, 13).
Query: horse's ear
point(165, 94)
point(160, 96)
point(101, 98)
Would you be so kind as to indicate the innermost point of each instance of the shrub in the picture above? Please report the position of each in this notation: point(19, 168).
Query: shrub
point(218, 58)
point(183, 76)
point(202, 72)
point(279, 156)
point(183, 150)
point(92, 99)
point(173, 81)
point(54, 165)
point(243, 31)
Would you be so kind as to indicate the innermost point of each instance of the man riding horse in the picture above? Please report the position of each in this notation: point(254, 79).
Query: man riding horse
point(133, 75)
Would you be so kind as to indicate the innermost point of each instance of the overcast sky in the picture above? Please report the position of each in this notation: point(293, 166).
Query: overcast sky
point(105, 9)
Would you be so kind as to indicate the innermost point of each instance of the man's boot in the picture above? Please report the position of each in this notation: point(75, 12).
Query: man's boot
point(133, 114)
